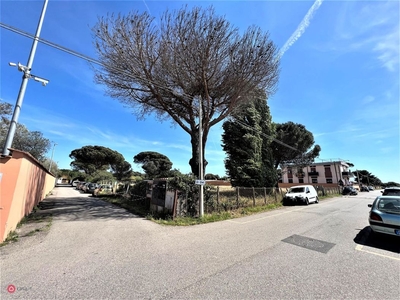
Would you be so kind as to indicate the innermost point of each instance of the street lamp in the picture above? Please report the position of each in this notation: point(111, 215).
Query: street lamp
point(51, 159)
point(27, 75)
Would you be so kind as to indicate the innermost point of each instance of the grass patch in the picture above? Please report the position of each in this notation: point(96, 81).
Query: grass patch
point(11, 238)
point(35, 217)
point(215, 217)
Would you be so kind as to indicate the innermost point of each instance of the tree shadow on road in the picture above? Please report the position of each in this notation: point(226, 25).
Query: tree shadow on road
point(367, 237)
point(80, 208)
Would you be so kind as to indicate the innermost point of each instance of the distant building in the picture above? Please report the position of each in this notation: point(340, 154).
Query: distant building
point(324, 173)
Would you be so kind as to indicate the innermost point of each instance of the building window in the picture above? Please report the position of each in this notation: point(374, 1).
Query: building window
point(301, 180)
point(328, 172)
point(329, 180)
point(289, 173)
point(314, 179)
point(290, 180)
point(300, 173)
point(313, 169)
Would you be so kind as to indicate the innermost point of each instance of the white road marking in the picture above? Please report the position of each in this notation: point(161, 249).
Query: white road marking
point(360, 248)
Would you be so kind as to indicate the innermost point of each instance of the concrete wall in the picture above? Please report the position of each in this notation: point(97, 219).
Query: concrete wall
point(24, 182)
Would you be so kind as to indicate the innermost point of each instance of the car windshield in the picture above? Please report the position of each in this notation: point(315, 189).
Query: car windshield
point(391, 205)
point(392, 192)
point(296, 190)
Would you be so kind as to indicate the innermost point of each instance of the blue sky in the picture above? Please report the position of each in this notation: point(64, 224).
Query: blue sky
point(339, 77)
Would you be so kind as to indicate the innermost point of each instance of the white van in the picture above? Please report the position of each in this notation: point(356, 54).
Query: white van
point(301, 193)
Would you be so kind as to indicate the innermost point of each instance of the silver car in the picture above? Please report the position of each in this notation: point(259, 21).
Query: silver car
point(384, 216)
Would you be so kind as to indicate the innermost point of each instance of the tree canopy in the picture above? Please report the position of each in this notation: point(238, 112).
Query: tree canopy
point(91, 159)
point(187, 58)
point(122, 170)
point(154, 164)
point(367, 178)
point(246, 140)
point(293, 145)
point(32, 142)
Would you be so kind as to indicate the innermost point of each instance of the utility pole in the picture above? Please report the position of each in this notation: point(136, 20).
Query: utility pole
point(51, 159)
point(27, 75)
point(201, 194)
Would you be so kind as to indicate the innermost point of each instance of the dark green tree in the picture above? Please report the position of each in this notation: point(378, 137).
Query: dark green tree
point(91, 159)
point(71, 175)
point(390, 183)
point(366, 178)
point(101, 176)
point(246, 140)
point(32, 142)
point(122, 170)
point(169, 66)
point(211, 176)
point(154, 164)
point(293, 145)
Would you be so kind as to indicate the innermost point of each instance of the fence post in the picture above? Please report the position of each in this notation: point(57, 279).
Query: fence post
point(174, 209)
point(265, 196)
point(218, 198)
point(254, 197)
point(237, 197)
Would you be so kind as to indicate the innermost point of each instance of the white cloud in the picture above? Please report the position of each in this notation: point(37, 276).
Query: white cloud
point(368, 99)
point(387, 48)
point(373, 27)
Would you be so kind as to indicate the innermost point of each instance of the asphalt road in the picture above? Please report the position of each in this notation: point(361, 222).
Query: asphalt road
point(97, 251)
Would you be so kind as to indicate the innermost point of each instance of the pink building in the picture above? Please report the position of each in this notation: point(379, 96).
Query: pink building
point(327, 173)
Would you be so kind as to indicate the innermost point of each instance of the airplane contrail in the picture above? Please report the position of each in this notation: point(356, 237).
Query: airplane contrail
point(301, 28)
point(148, 9)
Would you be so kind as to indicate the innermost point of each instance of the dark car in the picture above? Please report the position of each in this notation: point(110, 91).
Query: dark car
point(364, 189)
point(349, 190)
point(90, 188)
point(391, 191)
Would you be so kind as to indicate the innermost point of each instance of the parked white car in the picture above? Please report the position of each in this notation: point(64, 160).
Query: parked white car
point(301, 194)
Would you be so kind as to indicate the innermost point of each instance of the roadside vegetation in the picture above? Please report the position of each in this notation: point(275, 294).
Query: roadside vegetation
point(227, 208)
point(36, 221)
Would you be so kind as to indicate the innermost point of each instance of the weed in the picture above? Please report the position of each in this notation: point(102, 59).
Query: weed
point(30, 233)
point(11, 238)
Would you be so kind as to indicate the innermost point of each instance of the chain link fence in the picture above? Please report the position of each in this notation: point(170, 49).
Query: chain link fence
point(217, 199)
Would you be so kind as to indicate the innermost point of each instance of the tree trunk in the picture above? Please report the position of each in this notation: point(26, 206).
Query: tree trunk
point(194, 161)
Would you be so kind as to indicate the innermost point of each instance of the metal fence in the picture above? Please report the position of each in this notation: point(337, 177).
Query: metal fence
point(216, 198)
point(219, 199)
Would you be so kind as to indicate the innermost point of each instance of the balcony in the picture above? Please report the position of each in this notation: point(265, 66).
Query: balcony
point(313, 174)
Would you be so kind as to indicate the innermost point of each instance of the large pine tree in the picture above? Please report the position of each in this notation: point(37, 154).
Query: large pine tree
point(246, 140)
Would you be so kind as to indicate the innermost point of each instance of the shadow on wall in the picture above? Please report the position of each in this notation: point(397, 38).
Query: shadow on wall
point(24, 183)
point(37, 181)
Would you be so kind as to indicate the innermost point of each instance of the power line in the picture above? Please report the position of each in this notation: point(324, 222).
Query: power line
point(51, 44)
point(265, 135)
point(94, 61)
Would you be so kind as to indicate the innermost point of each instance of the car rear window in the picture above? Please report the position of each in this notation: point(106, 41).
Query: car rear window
point(394, 192)
point(389, 204)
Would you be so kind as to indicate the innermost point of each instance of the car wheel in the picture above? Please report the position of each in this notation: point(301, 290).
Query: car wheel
point(307, 201)
point(316, 200)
